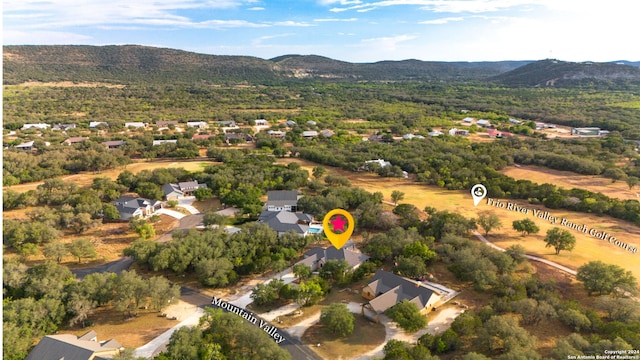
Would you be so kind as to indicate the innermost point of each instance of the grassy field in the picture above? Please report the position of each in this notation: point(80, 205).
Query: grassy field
point(570, 180)
point(366, 336)
point(587, 249)
point(87, 178)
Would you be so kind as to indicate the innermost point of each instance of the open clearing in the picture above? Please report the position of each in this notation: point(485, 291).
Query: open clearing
point(87, 178)
point(587, 249)
point(570, 180)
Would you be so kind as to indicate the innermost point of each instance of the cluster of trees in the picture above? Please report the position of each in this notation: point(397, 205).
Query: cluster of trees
point(62, 206)
point(221, 335)
point(39, 300)
point(217, 258)
point(50, 161)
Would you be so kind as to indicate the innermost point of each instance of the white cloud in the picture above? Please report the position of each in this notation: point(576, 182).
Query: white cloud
point(441, 21)
point(448, 6)
point(16, 37)
point(257, 8)
point(341, 2)
point(387, 43)
point(292, 23)
point(336, 20)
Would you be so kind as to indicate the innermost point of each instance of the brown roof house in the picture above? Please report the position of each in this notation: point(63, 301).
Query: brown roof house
point(387, 289)
point(318, 256)
point(71, 347)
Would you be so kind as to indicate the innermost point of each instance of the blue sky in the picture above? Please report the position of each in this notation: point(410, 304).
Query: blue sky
point(349, 30)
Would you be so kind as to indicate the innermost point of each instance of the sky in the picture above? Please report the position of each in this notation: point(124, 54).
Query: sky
point(348, 30)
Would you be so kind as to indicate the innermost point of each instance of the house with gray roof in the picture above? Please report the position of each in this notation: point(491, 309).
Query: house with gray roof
point(71, 347)
point(278, 200)
point(130, 207)
point(284, 221)
point(181, 189)
point(387, 289)
point(317, 257)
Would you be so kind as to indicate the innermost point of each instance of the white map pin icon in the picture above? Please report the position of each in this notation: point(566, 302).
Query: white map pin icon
point(479, 192)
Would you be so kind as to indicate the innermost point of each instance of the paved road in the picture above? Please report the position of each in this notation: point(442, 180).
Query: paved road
point(297, 350)
point(115, 266)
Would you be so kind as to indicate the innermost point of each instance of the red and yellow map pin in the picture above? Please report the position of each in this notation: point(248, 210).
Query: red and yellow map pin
point(338, 226)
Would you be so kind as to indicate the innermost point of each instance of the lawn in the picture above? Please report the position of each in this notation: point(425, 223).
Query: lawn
point(109, 323)
point(570, 180)
point(366, 336)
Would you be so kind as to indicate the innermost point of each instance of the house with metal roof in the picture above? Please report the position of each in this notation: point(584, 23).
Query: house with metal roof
point(74, 140)
point(40, 126)
point(114, 144)
point(309, 134)
point(130, 207)
point(387, 289)
point(317, 257)
point(71, 347)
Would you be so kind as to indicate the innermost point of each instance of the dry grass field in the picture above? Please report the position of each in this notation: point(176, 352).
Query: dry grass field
point(588, 248)
point(570, 180)
point(87, 178)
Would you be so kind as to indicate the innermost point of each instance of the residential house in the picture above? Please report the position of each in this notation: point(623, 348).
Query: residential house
point(63, 127)
point(327, 133)
point(312, 123)
point(74, 140)
point(278, 200)
point(162, 142)
point(201, 136)
point(317, 257)
point(586, 131)
point(375, 138)
point(468, 120)
point(457, 132)
point(181, 189)
point(135, 124)
point(380, 162)
point(28, 146)
point(114, 144)
point(240, 137)
point(411, 136)
point(72, 347)
point(197, 124)
point(515, 121)
point(40, 126)
point(276, 134)
point(130, 207)
point(435, 133)
point(309, 134)
point(483, 123)
point(94, 124)
point(261, 122)
point(284, 221)
point(227, 123)
point(165, 124)
point(291, 123)
point(387, 289)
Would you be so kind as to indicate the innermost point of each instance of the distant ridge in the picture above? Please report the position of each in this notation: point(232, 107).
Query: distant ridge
point(551, 72)
point(133, 63)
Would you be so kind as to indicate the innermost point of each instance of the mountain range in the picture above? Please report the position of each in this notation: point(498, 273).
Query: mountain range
point(134, 64)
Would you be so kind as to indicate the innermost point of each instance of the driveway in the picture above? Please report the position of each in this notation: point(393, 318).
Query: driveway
point(187, 204)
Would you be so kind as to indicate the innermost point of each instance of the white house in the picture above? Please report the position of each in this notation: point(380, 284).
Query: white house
point(261, 122)
point(483, 123)
point(468, 120)
point(435, 133)
point(197, 124)
point(278, 200)
point(35, 126)
point(94, 124)
point(135, 124)
point(162, 142)
point(309, 134)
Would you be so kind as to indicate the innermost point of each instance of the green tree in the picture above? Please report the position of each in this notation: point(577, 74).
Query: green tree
point(560, 240)
point(318, 172)
point(420, 249)
point(82, 222)
point(396, 195)
point(407, 315)
point(526, 226)
point(302, 271)
point(632, 181)
point(82, 248)
point(203, 193)
point(212, 218)
point(149, 190)
point(264, 294)
point(110, 212)
point(55, 251)
point(601, 278)
point(502, 334)
point(489, 222)
point(411, 266)
point(337, 319)
point(309, 293)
